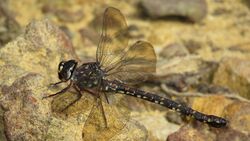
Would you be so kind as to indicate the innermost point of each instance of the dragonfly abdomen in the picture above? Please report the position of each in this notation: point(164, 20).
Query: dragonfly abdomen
point(183, 109)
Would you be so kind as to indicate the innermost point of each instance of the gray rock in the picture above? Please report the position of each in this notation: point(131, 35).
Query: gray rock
point(195, 10)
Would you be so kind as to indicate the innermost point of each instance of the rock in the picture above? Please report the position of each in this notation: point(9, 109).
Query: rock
point(238, 114)
point(156, 123)
point(2, 135)
point(9, 27)
point(179, 65)
point(174, 117)
point(28, 65)
point(243, 48)
point(232, 135)
point(211, 89)
point(186, 72)
point(26, 72)
point(63, 14)
point(187, 133)
point(173, 50)
point(195, 10)
point(235, 74)
point(221, 11)
point(25, 116)
point(214, 105)
point(192, 46)
point(246, 2)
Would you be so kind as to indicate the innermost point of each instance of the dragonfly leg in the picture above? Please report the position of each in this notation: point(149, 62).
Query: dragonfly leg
point(91, 92)
point(60, 92)
point(55, 84)
point(103, 112)
point(79, 95)
point(106, 97)
point(95, 94)
point(99, 103)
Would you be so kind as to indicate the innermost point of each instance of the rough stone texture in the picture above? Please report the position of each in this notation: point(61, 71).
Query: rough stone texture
point(190, 134)
point(178, 65)
point(232, 135)
point(28, 65)
point(157, 125)
point(187, 133)
point(238, 114)
point(192, 9)
point(174, 50)
point(9, 27)
point(235, 74)
point(211, 104)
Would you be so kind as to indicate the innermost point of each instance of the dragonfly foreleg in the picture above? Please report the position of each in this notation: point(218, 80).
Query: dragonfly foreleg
point(60, 92)
point(55, 84)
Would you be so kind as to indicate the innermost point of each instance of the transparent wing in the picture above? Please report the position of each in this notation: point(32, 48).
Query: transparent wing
point(121, 62)
point(91, 115)
point(135, 65)
point(113, 41)
point(117, 119)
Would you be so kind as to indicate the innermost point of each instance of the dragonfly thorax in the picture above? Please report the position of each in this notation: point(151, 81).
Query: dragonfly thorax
point(88, 75)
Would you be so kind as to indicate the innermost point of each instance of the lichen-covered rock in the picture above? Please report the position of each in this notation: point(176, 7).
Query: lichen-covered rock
point(28, 65)
point(192, 9)
point(235, 74)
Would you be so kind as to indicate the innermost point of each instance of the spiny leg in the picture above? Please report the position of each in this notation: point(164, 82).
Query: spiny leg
point(79, 95)
point(102, 110)
point(55, 84)
point(106, 97)
point(60, 92)
point(99, 103)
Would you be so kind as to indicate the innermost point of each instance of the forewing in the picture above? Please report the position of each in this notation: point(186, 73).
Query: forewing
point(137, 63)
point(113, 41)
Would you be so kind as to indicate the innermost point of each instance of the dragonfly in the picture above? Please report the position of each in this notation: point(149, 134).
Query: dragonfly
point(117, 67)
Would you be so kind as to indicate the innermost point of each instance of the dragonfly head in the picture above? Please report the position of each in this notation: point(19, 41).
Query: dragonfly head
point(66, 69)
